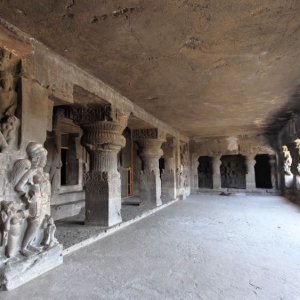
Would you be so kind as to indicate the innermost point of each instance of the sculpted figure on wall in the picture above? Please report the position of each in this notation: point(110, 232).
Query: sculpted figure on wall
point(11, 220)
point(22, 222)
point(287, 160)
point(8, 104)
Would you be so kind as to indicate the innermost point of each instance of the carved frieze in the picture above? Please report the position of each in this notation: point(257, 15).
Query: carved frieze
point(138, 134)
point(99, 113)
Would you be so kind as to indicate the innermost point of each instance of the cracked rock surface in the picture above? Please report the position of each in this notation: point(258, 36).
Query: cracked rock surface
point(206, 68)
point(207, 247)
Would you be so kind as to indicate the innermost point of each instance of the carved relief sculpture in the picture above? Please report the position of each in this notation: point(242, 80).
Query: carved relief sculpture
point(33, 187)
point(8, 103)
point(287, 160)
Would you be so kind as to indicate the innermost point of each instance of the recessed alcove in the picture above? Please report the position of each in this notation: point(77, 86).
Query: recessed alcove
point(233, 171)
point(205, 179)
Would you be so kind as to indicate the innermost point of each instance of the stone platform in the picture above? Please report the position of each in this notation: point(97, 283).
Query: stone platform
point(20, 269)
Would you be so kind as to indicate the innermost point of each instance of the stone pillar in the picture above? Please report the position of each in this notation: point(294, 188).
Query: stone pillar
point(102, 137)
point(168, 180)
point(149, 142)
point(216, 163)
point(250, 174)
point(273, 166)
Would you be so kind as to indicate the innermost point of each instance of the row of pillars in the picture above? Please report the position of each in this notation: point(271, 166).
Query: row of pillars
point(250, 174)
point(103, 139)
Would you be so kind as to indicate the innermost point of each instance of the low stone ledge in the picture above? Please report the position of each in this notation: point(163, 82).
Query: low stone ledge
point(20, 269)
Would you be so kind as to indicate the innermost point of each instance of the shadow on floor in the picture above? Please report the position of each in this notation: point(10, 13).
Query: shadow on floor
point(71, 231)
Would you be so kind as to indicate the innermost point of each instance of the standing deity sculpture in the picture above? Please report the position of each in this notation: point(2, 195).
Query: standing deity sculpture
point(287, 160)
point(33, 185)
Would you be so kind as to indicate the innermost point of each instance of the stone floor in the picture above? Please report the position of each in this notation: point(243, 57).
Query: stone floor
point(207, 247)
point(71, 231)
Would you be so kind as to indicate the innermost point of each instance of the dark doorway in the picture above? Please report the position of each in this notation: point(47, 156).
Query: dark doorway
point(205, 172)
point(161, 165)
point(70, 162)
point(233, 172)
point(263, 172)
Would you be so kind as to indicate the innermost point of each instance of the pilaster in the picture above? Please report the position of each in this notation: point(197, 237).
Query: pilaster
point(250, 174)
point(216, 163)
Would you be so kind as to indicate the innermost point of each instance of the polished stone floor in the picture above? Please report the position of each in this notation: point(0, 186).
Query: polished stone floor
point(207, 247)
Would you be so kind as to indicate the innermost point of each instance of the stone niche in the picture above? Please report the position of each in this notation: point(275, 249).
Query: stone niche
point(67, 163)
point(233, 172)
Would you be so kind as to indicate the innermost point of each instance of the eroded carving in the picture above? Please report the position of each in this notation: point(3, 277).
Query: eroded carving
point(287, 160)
point(33, 187)
point(8, 103)
point(233, 172)
point(151, 133)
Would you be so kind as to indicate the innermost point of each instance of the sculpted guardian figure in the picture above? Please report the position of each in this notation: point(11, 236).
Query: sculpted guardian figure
point(287, 159)
point(30, 180)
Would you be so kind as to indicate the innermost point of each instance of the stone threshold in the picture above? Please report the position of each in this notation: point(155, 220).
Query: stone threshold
point(108, 231)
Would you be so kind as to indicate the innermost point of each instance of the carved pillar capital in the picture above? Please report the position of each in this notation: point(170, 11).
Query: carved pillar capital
point(103, 127)
point(149, 142)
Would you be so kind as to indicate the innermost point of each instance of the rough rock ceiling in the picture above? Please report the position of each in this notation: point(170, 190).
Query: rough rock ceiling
point(207, 68)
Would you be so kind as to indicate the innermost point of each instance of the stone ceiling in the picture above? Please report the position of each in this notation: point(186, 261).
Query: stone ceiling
point(207, 68)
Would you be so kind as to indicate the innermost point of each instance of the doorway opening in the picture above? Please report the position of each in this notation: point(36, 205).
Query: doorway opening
point(263, 172)
point(205, 179)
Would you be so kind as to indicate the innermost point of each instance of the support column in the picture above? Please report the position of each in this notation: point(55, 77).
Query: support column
point(149, 142)
point(216, 163)
point(250, 175)
point(102, 137)
point(168, 181)
point(273, 166)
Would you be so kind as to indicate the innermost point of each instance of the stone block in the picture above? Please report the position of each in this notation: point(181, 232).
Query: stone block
point(20, 269)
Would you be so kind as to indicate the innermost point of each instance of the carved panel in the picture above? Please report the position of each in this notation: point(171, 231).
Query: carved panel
point(233, 172)
point(138, 134)
point(27, 207)
point(8, 101)
point(100, 113)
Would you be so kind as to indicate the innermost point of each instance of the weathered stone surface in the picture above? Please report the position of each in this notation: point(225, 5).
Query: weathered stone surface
point(218, 56)
point(14, 273)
